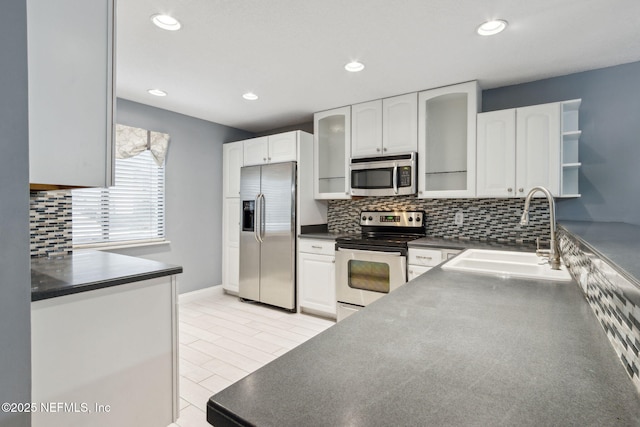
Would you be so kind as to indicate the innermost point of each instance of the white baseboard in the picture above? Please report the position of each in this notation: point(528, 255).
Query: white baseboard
point(199, 293)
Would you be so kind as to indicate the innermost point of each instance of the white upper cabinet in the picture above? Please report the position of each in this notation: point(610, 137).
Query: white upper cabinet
point(270, 149)
point(71, 92)
point(282, 147)
point(385, 126)
point(526, 147)
point(332, 146)
point(232, 161)
point(447, 141)
point(256, 151)
point(538, 148)
point(496, 154)
point(366, 129)
point(400, 124)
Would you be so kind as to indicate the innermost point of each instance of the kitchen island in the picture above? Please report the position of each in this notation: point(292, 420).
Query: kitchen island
point(104, 341)
point(447, 348)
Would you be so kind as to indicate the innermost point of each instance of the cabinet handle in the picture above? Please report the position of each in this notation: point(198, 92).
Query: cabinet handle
point(269, 158)
point(384, 149)
point(509, 189)
point(316, 247)
point(333, 261)
point(264, 159)
point(423, 257)
point(378, 150)
point(521, 190)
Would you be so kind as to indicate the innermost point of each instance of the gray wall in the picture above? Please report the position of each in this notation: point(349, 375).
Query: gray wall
point(15, 278)
point(610, 142)
point(193, 192)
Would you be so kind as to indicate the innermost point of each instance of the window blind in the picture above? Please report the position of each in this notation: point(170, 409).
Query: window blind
point(132, 210)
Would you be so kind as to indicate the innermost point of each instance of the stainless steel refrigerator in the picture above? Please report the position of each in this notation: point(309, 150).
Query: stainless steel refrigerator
point(267, 234)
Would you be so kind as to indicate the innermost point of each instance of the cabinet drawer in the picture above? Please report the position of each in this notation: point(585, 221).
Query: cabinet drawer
point(322, 247)
point(425, 257)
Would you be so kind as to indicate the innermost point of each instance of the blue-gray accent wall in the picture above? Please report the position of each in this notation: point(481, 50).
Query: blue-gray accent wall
point(15, 277)
point(193, 192)
point(609, 150)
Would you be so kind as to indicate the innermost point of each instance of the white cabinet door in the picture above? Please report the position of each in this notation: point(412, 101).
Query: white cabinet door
point(366, 129)
point(107, 347)
point(447, 141)
point(71, 92)
point(538, 148)
point(282, 147)
point(400, 124)
point(496, 176)
point(317, 283)
point(231, 245)
point(332, 148)
point(415, 271)
point(256, 151)
point(232, 162)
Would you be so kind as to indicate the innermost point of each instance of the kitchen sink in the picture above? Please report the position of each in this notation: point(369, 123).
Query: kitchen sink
point(506, 264)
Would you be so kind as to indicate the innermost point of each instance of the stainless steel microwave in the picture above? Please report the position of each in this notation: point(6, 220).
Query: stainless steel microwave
point(384, 176)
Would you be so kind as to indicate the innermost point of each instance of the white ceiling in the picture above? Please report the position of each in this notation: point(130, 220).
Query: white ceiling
point(292, 52)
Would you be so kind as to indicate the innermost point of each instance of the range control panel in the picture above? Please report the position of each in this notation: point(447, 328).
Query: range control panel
point(392, 218)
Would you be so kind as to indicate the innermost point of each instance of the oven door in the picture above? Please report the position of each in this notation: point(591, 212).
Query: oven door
point(364, 276)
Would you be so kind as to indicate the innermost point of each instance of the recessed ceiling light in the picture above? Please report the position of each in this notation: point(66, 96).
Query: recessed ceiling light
point(166, 22)
point(250, 96)
point(157, 92)
point(490, 28)
point(354, 66)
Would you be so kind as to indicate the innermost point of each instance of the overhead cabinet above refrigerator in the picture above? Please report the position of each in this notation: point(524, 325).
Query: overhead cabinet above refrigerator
point(267, 235)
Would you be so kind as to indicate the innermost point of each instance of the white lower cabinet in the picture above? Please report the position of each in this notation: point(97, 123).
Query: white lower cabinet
point(106, 357)
point(422, 260)
point(416, 270)
point(317, 277)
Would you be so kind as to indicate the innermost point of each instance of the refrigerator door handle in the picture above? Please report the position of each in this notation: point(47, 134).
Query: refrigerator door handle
point(256, 220)
point(262, 218)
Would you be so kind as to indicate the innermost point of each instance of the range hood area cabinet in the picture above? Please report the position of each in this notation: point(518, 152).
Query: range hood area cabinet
point(332, 150)
point(71, 93)
point(447, 141)
point(385, 126)
point(531, 146)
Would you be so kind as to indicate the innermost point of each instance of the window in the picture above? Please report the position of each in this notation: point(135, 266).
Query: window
point(131, 211)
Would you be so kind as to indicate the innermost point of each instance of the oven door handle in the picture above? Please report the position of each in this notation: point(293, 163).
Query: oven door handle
point(362, 251)
point(395, 178)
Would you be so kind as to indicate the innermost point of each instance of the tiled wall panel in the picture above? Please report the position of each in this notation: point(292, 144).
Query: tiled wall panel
point(50, 223)
point(484, 219)
point(615, 300)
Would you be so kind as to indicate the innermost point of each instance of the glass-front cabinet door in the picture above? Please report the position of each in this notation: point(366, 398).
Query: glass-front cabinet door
point(447, 141)
point(332, 148)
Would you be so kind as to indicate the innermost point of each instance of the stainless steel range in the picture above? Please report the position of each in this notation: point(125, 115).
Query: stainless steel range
point(374, 263)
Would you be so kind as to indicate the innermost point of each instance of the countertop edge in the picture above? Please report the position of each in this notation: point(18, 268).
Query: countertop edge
point(101, 284)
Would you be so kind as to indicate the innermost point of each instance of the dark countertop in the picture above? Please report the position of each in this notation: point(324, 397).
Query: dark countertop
point(615, 242)
point(447, 348)
point(88, 270)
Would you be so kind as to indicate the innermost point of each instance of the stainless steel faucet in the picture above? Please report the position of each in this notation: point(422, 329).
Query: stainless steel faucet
point(554, 253)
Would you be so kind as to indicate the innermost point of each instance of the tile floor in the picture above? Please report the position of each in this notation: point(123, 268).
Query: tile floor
point(222, 340)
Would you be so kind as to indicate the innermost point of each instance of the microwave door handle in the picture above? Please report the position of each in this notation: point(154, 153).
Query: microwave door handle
point(395, 178)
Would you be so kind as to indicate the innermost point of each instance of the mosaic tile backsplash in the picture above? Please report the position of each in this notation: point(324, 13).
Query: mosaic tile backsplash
point(615, 300)
point(484, 219)
point(50, 223)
